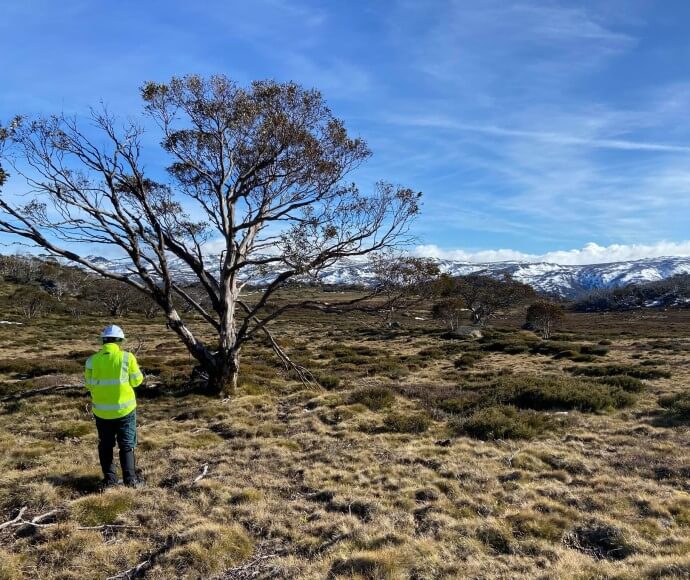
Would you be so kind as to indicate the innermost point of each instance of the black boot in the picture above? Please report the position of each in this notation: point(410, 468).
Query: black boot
point(105, 456)
point(128, 473)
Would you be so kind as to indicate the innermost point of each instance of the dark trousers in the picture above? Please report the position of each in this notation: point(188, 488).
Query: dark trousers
point(124, 431)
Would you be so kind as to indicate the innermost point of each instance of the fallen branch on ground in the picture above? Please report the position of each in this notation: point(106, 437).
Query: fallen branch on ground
point(132, 572)
point(19, 521)
point(15, 521)
point(136, 571)
point(108, 527)
point(253, 563)
point(202, 475)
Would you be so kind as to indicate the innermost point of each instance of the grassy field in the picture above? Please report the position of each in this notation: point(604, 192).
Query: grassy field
point(416, 455)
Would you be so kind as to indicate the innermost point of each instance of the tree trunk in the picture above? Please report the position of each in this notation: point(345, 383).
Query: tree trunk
point(222, 378)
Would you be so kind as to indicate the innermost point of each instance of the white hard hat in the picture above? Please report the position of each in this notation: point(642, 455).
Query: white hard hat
point(112, 331)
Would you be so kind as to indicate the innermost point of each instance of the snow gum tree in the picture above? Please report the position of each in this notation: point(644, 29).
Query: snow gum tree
point(259, 171)
point(543, 316)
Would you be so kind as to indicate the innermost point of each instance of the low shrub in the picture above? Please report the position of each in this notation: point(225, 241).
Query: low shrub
point(554, 392)
point(406, 422)
point(389, 368)
point(467, 360)
point(625, 382)
point(328, 381)
point(595, 350)
point(678, 405)
point(652, 362)
point(506, 345)
point(638, 372)
point(458, 405)
point(375, 398)
point(553, 347)
point(502, 422)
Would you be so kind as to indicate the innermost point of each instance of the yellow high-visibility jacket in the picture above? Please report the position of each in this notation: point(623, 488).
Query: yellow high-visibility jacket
point(111, 375)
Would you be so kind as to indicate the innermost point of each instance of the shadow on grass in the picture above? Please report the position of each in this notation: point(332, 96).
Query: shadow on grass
point(177, 390)
point(84, 484)
point(668, 419)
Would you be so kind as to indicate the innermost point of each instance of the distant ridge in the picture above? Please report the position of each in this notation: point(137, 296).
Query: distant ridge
point(565, 281)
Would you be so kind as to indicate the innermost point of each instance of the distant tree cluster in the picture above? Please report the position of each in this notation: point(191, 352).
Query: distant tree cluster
point(402, 281)
point(46, 286)
point(673, 291)
point(480, 295)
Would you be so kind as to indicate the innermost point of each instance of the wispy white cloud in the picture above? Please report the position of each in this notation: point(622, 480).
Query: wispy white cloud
point(544, 136)
point(591, 253)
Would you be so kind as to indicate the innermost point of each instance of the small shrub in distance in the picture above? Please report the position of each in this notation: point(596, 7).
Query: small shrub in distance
point(638, 372)
point(459, 404)
point(375, 398)
point(554, 392)
point(466, 361)
point(502, 422)
point(506, 345)
point(389, 368)
point(595, 350)
point(406, 422)
point(551, 347)
point(629, 384)
point(328, 381)
point(678, 405)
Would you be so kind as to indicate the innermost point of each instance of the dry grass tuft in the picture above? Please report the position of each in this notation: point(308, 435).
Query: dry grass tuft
point(206, 549)
point(106, 508)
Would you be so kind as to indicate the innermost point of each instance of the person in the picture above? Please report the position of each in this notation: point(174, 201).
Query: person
point(111, 375)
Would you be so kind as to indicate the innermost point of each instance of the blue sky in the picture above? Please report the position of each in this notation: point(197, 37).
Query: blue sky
point(536, 129)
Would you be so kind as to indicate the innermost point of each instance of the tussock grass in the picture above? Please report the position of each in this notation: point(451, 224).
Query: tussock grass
point(103, 509)
point(10, 566)
point(206, 549)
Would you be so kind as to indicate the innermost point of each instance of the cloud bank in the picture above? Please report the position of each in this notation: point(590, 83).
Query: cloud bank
point(591, 253)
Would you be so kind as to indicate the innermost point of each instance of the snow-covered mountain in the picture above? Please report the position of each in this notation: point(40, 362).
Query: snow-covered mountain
point(556, 279)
